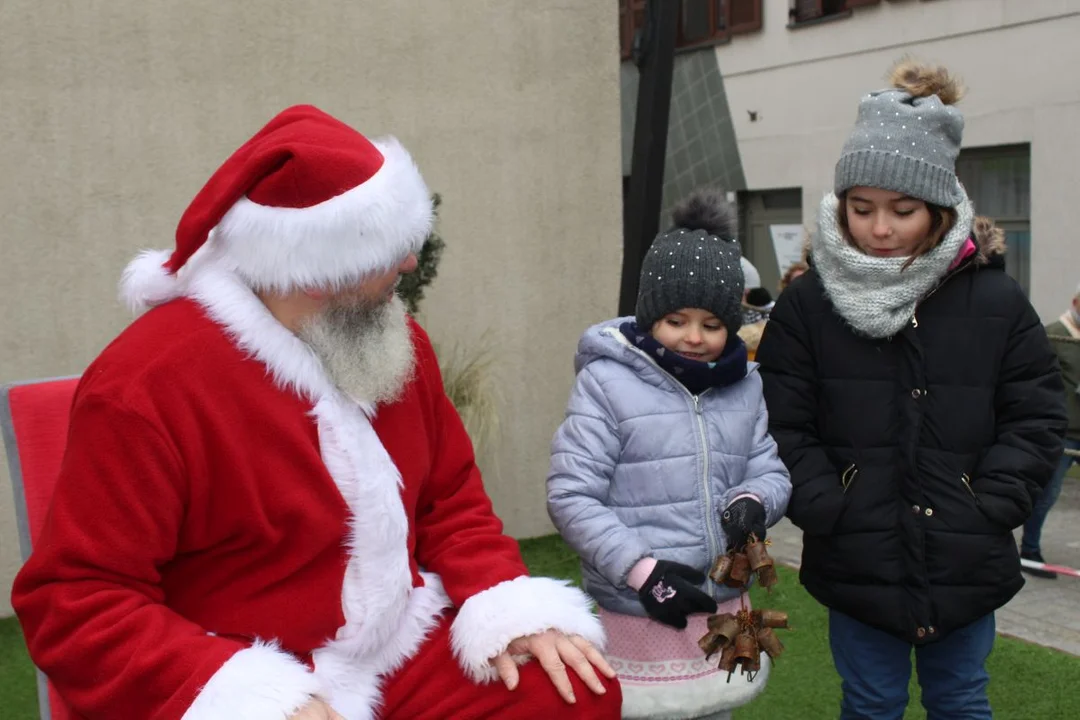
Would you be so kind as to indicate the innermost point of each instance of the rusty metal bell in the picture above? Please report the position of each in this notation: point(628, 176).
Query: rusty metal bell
point(773, 618)
point(758, 555)
point(747, 653)
point(745, 647)
point(726, 626)
point(741, 638)
point(770, 643)
point(753, 665)
point(721, 569)
point(711, 643)
point(740, 571)
point(727, 659)
point(767, 576)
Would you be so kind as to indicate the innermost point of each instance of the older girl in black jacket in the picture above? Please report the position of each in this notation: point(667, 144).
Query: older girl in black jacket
point(918, 405)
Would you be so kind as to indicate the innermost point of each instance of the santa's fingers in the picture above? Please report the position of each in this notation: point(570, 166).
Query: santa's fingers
point(575, 658)
point(593, 655)
point(507, 669)
point(546, 649)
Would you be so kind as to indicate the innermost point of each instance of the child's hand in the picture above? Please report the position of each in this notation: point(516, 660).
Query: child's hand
point(743, 517)
point(669, 594)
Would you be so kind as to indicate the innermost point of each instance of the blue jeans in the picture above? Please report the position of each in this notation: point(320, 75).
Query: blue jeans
point(875, 668)
point(1033, 527)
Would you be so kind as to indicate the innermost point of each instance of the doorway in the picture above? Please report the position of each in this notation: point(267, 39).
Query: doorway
point(771, 220)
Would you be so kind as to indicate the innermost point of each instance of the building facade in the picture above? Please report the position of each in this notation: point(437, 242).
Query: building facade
point(781, 80)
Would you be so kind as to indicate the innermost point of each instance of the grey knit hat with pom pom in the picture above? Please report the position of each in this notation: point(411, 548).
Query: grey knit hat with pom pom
point(906, 138)
point(695, 264)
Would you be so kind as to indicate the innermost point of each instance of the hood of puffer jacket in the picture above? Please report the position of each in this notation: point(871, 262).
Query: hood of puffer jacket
point(605, 340)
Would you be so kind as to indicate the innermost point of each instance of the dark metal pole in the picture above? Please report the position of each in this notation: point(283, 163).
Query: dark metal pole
point(641, 216)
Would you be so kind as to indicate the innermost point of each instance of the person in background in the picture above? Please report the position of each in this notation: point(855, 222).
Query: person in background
point(794, 270)
point(1064, 336)
point(757, 303)
point(752, 278)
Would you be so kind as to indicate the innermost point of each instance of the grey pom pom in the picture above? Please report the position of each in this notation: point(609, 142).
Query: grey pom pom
point(708, 210)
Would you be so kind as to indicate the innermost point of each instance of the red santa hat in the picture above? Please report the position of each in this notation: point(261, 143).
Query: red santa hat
point(308, 202)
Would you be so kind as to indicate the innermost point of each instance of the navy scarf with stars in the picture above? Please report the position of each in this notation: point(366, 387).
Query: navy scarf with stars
point(696, 376)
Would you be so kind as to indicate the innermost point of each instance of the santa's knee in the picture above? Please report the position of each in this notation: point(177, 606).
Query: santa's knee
point(545, 701)
point(589, 705)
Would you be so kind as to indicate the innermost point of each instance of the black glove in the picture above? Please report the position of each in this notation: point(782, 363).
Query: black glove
point(742, 517)
point(669, 595)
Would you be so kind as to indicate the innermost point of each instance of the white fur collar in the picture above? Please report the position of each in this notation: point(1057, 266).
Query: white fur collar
point(292, 364)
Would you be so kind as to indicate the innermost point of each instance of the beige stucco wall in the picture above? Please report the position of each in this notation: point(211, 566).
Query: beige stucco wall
point(114, 114)
point(1017, 57)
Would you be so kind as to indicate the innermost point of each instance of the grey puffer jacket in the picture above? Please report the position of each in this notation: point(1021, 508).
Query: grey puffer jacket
point(641, 468)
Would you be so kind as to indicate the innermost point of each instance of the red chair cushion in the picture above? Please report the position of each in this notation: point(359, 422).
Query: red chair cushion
point(39, 417)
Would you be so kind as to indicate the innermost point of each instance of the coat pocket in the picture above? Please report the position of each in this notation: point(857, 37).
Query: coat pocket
point(966, 480)
point(958, 507)
point(848, 476)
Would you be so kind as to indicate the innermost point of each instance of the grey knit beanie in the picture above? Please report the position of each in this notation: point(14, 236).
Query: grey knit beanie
point(695, 264)
point(906, 138)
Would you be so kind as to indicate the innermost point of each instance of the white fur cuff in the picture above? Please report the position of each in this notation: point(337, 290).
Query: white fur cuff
point(489, 621)
point(256, 683)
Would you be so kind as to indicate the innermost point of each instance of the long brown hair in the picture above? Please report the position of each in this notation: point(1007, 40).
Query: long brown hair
point(942, 220)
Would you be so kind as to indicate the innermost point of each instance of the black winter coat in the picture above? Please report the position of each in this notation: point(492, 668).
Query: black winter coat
point(912, 458)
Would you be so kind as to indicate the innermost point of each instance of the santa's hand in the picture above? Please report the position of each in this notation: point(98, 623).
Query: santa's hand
point(316, 710)
point(556, 651)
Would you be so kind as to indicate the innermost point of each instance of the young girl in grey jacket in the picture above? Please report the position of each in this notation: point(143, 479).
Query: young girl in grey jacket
point(664, 461)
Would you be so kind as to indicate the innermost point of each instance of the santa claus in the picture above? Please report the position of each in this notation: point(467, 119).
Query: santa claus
point(268, 508)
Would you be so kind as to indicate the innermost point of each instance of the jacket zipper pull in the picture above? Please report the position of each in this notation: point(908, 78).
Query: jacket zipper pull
point(697, 405)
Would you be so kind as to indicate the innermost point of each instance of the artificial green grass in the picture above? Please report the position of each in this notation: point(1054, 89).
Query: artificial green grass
point(18, 692)
point(1027, 682)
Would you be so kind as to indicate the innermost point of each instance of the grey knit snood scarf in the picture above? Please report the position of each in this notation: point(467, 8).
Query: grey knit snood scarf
point(872, 293)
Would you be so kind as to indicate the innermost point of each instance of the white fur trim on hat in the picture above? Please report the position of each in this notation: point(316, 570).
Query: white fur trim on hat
point(364, 231)
point(146, 283)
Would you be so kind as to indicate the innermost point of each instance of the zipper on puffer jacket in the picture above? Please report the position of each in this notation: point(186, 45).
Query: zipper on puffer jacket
point(714, 542)
point(848, 476)
point(699, 418)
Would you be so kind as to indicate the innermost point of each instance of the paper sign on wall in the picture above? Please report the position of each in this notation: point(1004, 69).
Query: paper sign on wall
point(787, 242)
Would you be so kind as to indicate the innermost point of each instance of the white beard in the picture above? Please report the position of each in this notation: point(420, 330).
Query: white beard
point(366, 349)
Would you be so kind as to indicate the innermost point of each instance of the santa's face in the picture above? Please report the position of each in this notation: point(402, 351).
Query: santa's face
point(377, 288)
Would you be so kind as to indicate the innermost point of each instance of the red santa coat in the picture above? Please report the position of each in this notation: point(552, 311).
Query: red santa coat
point(231, 535)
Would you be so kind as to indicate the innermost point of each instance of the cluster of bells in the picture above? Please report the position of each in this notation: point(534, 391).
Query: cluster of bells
point(740, 638)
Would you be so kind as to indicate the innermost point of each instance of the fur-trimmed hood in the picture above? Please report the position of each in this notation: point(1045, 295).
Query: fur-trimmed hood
point(989, 241)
